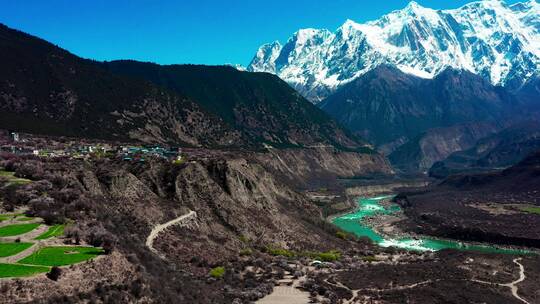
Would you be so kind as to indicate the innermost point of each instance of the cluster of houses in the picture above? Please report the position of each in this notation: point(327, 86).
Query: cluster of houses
point(23, 146)
point(141, 153)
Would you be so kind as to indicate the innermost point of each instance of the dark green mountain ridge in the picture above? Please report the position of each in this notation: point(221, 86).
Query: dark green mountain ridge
point(47, 90)
point(260, 105)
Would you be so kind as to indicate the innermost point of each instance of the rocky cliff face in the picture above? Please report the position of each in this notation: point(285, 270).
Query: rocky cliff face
point(239, 200)
point(233, 198)
point(530, 93)
point(368, 190)
point(434, 145)
point(502, 149)
point(319, 167)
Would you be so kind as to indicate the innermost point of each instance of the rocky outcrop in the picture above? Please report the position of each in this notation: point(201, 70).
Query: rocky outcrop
point(236, 199)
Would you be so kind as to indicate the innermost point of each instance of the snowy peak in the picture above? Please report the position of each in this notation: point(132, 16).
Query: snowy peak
point(265, 58)
point(413, 5)
point(415, 9)
point(310, 35)
point(489, 38)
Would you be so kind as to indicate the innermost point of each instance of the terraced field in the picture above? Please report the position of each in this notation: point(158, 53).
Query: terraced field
point(54, 231)
point(31, 254)
point(9, 249)
point(17, 229)
point(14, 270)
point(61, 256)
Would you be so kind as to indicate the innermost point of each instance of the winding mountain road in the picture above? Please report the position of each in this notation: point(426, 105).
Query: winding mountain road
point(159, 228)
point(522, 277)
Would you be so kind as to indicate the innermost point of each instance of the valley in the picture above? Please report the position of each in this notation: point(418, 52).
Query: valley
point(390, 161)
point(241, 211)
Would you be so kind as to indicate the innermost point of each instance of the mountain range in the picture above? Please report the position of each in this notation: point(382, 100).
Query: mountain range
point(494, 40)
point(417, 84)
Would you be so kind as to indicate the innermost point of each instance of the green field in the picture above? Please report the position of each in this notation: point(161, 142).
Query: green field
point(61, 256)
point(9, 249)
point(535, 210)
point(56, 230)
point(42, 259)
point(13, 270)
point(18, 229)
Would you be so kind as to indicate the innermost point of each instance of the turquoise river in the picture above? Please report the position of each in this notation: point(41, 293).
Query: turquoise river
point(368, 207)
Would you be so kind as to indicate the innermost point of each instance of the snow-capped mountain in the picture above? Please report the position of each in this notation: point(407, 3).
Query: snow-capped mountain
point(497, 41)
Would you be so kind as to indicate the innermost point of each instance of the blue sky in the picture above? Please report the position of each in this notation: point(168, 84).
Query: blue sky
point(185, 31)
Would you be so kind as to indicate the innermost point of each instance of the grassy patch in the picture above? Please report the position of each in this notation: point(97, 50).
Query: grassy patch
point(56, 230)
point(369, 258)
point(24, 218)
point(534, 210)
point(329, 256)
point(281, 252)
point(14, 270)
point(5, 217)
point(12, 179)
point(18, 229)
point(243, 239)
point(178, 162)
point(9, 216)
point(61, 256)
point(9, 249)
point(246, 252)
point(217, 272)
point(7, 174)
point(342, 235)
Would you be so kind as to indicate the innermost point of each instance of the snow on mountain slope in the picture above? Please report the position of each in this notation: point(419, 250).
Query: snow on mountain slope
point(500, 42)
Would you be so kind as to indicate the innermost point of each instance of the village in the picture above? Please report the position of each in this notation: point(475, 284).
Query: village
point(59, 147)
